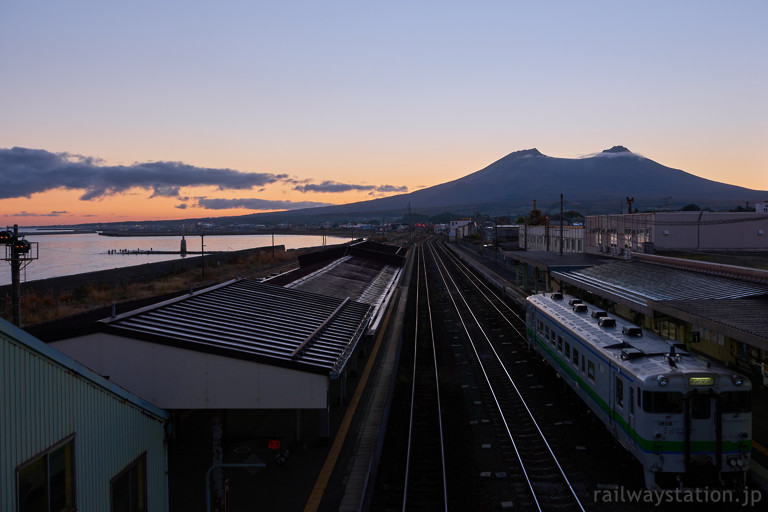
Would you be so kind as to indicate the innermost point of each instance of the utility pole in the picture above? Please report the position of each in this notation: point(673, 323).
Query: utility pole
point(202, 254)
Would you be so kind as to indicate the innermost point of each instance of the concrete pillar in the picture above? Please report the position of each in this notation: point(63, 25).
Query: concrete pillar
point(325, 424)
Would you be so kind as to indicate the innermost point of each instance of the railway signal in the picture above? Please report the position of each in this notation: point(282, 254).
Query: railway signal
point(19, 252)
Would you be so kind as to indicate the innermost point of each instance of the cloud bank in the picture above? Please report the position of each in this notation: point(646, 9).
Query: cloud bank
point(336, 187)
point(256, 204)
point(24, 172)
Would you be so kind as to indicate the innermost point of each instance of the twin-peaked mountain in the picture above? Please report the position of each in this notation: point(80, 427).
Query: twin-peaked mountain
point(596, 184)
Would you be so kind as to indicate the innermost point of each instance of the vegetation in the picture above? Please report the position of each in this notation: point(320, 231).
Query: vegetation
point(38, 308)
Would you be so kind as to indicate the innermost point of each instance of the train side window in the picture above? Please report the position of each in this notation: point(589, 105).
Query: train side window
point(582, 364)
point(631, 400)
point(590, 370)
point(576, 357)
point(541, 327)
point(736, 401)
point(546, 329)
point(619, 392)
point(559, 342)
point(567, 351)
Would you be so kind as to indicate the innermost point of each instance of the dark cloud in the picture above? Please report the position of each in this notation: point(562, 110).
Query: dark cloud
point(24, 172)
point(31, 214)
point(256, 204)
point(391, 188)
point(336, 187)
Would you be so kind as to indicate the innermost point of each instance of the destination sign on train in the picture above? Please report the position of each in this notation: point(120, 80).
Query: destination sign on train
point(701, 381)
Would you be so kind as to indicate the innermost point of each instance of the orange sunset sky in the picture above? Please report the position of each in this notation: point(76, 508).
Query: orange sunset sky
point(147, 111)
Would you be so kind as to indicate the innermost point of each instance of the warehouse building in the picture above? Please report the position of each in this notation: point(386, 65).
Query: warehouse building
point(72, 440)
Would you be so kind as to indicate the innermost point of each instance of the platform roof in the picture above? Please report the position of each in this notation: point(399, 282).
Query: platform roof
point(635, 284)
point(743, 319)
point(257, 321)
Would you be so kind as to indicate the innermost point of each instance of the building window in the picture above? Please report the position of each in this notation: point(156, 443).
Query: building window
point(47, 482)
point(129, 487)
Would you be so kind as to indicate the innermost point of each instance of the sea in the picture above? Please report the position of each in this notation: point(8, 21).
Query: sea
point(75, 253)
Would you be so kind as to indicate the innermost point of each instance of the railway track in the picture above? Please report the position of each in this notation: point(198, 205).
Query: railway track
point(536, 478)
point(425, 478)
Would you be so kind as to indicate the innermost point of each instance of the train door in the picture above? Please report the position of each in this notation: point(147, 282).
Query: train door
point(613, 403)
point(703, 432)
point(631, 416)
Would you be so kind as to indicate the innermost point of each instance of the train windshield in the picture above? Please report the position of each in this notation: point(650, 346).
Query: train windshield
point(736, 401)
point(662, 401)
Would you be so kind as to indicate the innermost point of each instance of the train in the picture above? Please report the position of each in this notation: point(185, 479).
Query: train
point(686, 420)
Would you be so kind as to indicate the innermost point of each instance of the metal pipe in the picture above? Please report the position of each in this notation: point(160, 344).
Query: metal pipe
point(217, 466)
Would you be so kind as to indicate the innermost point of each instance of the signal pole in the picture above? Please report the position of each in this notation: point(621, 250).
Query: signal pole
point(19, 249)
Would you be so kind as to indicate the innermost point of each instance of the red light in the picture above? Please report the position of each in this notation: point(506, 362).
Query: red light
point(273, 444)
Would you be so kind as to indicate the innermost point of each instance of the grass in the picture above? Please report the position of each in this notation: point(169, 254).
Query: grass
point(37, 308)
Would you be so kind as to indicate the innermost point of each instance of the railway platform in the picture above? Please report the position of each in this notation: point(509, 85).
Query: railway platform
point(504, 279)
point(339, 476)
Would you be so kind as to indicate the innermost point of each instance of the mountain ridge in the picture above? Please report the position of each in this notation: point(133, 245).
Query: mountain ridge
point(597, 184)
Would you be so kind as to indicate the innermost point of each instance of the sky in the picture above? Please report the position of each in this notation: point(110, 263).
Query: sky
point(146, 110)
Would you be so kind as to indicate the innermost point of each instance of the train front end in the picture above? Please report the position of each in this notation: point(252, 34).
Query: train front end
point(696, 429)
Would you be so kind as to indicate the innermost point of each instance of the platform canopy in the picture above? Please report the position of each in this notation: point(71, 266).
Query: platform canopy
point(246, 319)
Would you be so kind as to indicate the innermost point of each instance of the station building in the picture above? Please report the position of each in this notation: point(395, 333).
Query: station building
point(670, 231)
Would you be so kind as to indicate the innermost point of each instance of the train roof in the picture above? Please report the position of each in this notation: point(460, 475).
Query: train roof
point(644, 356)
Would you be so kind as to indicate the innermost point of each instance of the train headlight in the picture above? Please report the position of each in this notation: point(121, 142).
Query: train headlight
point(738, 380)
point(663, 381)
point(740, 463)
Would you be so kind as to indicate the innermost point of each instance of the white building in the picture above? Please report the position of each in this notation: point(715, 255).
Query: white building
point(459, 229)
point(694, 231)
point(549, 238)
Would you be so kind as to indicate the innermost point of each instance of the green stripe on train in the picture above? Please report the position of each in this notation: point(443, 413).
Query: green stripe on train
point(645, 444)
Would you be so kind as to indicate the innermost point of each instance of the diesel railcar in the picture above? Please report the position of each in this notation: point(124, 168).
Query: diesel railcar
point(687, 420)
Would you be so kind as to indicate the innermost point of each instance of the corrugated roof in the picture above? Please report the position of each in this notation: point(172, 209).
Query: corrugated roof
point(634, 283)
point(358, 278)
point(252, 320)
point(745, 315)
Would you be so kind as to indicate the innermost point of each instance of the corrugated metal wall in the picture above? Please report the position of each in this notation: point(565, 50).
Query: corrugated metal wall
point(43, 402)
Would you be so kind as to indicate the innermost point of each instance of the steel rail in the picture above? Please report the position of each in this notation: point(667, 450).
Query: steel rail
point(512, 382)
point(422, 265)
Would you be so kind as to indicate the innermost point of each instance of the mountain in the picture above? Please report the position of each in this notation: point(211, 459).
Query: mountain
point(592, 185)
point(596, 184)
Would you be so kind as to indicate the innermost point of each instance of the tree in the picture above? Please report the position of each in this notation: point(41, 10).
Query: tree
point(691, 208)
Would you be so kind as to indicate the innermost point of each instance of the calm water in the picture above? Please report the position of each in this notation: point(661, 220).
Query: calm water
point(61, 255)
